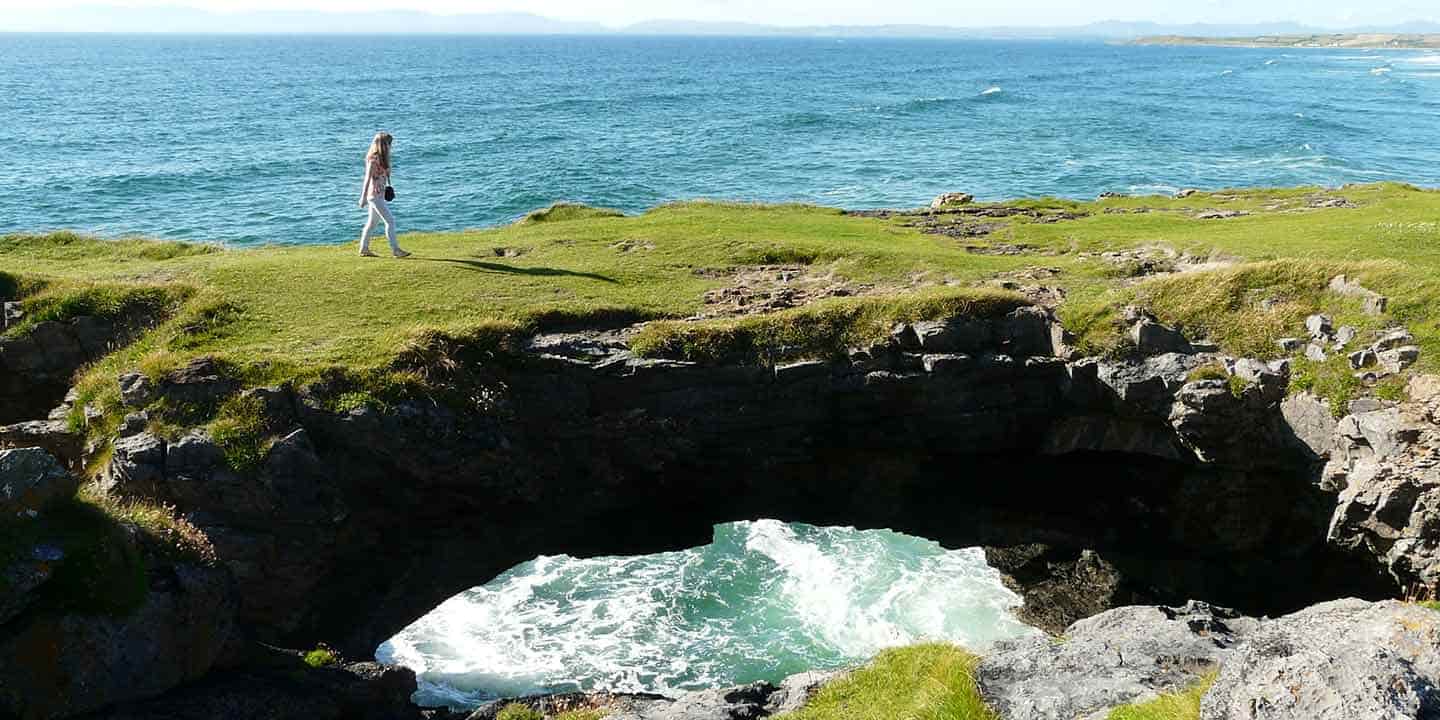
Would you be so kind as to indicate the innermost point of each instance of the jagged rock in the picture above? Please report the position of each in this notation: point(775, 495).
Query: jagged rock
point(133, 424)
point(1399, 359)
point(1127, 655)
point(804, 370)
point(1025, 332)
point(1321, 327)
point(948, 363)
point(1392, 340)
point(200, 383)
point(1290, 345)
point(1060, 587)
point(1363, 359)
point(962, 335)
point(798, 690)
point(1336, 661)
point(1310, 420)
point(1269, 383)
point(136, 390)
point(92, 661)
point(951, 199)
point(53, 436)
point(31, 480)
point(136, 467)
point(1316, 352)
point(1344, 336)
point(904, 337)
point(1152, 338)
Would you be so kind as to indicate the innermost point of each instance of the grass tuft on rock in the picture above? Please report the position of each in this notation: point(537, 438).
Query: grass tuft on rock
point(517, 711)
point(823, 329)
point(321, 657)
point(67, 300)
point(1176, 706)
point(923, 682)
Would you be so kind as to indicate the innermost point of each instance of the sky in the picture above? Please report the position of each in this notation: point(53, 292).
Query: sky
point(959, 13)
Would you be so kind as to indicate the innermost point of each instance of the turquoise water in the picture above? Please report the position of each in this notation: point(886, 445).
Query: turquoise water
point(763, 601)
point(259, 139)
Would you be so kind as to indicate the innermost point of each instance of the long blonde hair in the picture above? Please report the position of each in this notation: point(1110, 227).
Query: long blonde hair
point(380, 150)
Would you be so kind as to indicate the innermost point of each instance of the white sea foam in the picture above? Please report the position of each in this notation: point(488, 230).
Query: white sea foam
point(1381, 71)
point(1226, 72)
point(763, 600)
point(992, 90)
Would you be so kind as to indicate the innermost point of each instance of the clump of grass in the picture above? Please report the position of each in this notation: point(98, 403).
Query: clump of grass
point(321, 657)
point(1211, 371)
point(933, 681)
point(62, 301)
point(1431, 604)
point(566, 211)
point(1177, 706)
point(1332, 379)
point(517, 711)
point(66, 245)
point(9, 286)
point(172, 535)
point(822, 329)
point(241, 431)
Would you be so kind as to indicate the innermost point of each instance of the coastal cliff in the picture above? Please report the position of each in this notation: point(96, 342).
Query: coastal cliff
point(228, 509)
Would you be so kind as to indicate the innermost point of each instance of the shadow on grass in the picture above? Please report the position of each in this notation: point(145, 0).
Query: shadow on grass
point(512, 270)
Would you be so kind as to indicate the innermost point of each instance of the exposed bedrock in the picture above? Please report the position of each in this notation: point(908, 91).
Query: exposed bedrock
point(1092, 484)
point(37, 368)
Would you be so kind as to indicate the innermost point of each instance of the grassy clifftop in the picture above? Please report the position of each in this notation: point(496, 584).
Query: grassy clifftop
point(1239, 267)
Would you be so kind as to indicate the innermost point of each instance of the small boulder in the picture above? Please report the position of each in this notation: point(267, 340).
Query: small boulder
point(1316, 352)
point(11, 314)
point(1393, 339)
point(904, 336)
point(1321, 327)
point(1344, 336)
point(1362, 359)
point(1152, 338)
point(136, 390)
point(32, 480)
point(1187, 192)
point(948, 363)
point(951, 199)
point(1399, 359)
point(1290, 345)
point(1375, 304)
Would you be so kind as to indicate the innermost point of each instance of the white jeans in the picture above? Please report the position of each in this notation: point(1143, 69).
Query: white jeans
point(381, 211)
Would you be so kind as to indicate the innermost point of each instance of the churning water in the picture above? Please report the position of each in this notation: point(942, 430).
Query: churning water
point(762, 601)
point(259, 139)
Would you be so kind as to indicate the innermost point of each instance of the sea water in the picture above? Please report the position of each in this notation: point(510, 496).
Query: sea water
point(764, 600)
point(260, 139)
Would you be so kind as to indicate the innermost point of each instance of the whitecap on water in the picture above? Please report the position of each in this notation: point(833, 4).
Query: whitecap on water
point(765, 599)
point(992, 90)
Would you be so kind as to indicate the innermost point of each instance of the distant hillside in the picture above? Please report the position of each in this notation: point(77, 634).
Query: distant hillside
point(1336, 40)
point(106, 18)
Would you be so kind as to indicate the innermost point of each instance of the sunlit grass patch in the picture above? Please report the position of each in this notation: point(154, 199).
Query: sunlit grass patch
point(923, 682)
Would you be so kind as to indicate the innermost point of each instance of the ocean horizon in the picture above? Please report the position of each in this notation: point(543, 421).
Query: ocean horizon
point(259, 138)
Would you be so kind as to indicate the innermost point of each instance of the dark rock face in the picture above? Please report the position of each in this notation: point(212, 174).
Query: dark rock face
point(359, 691)
point(36, 369)
point(1126, 655)
point(58, 666)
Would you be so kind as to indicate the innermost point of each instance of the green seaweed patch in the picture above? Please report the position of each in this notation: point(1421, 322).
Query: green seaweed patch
point(822, 329)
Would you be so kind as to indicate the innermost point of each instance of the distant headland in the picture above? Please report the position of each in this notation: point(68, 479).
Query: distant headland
point(1394, 41)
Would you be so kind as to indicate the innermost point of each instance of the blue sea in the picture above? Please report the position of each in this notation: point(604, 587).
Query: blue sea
point(260, 139)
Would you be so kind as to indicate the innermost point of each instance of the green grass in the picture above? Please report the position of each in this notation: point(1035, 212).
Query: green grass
point(280, 313)
point(923, 682)
point(1176, 706)
point(1432, 604)
point(321, 657)
point(516, 711)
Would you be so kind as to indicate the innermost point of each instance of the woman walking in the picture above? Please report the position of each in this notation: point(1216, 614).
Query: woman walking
point(374, 193)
